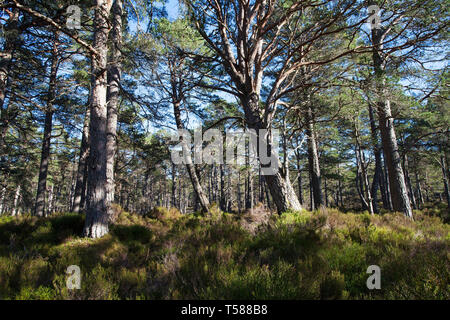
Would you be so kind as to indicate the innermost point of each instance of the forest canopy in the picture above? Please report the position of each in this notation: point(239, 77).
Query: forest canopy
point(115, 110)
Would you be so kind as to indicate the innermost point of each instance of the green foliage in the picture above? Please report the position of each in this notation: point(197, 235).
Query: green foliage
point(298, 255)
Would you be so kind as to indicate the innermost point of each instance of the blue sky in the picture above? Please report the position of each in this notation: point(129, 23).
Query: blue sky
point(172, 8)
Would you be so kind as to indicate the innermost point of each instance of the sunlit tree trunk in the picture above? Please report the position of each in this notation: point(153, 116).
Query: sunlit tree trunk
point(39, 209)
point(397, 184)
point(114, 76)
point(97, 219)
point(313, 160)
point(11, 35)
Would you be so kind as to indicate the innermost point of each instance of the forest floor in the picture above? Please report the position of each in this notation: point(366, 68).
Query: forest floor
point(298, 255)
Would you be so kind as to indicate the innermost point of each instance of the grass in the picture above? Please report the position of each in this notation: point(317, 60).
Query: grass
point(298, 255)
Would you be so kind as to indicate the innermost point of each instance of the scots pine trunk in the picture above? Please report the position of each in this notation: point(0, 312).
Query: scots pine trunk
point(174, 188)
point(223, 200)
point(377, 182)
point(80, 185)
point(11, 35)
point(96, 225)
point(313, 160)
point(299, 179)
point(39, 208)
point(114, 76)
point(408, 181)
point(398, 189)
point(445, 177)
point(16, 209)
point(194, 177)
point(283, 194)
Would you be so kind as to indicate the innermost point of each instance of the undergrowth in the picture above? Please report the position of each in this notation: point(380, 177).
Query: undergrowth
point(166, 255)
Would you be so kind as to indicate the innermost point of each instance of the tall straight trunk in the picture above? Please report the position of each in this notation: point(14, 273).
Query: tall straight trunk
point(229, 193)
point(341, 196)
point(39, 208)
point(180, 194)
point(313, 160)
point(97, 219)
point(210, 186)
point(2, 198)
point(359, 180)
point(326, 192)
point(398, 189)
point(445, 176)
point(260, 186)
point(408, 181)
point(250, 196)
point(51, 200)
point(299, 179)
point(419, 190)
point(364, 189)
point(15, 211)
point(193, 175)
point(6, 58)
point(114, 76)
point(377, 182)
point(266, 189)
point(311, 193)
point(387, 186)
point(249, 183)
point(174, 187)
point(80, 185)
point(239, 196)
point(223, 200)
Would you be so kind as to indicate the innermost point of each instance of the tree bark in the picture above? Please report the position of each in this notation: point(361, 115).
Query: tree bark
point(283, 194)
point(174, 187)
point(398, 189)
point(39, 209)
point(198, 189)
point(80, 185)
point(377, 182)
point(16, 201)
point(445, 177)
point(6, 58)
point(114, 76)
point(313, 160)
point(408, 181)
point(419, 190)
point(223, 200)
point(299, 179)
point(96, 225)
point(364, 189)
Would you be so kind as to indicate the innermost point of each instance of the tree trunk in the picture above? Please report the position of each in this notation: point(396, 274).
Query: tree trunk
point(223, 201)
point(239, 192)
point(408, 181)
point(419, 190)
point(80, 185)
point(39, 209)
point(51, 200)
point(96, 225)
point(377, 181)
point(364, 189)
point(16, 201)
point(299, 179)
point(283, 194)
point(313, 160)
point(114, 76)
point(198, 189)
point(174, 187)
point(398, 189)
point(11, 36)
point(445, 177)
